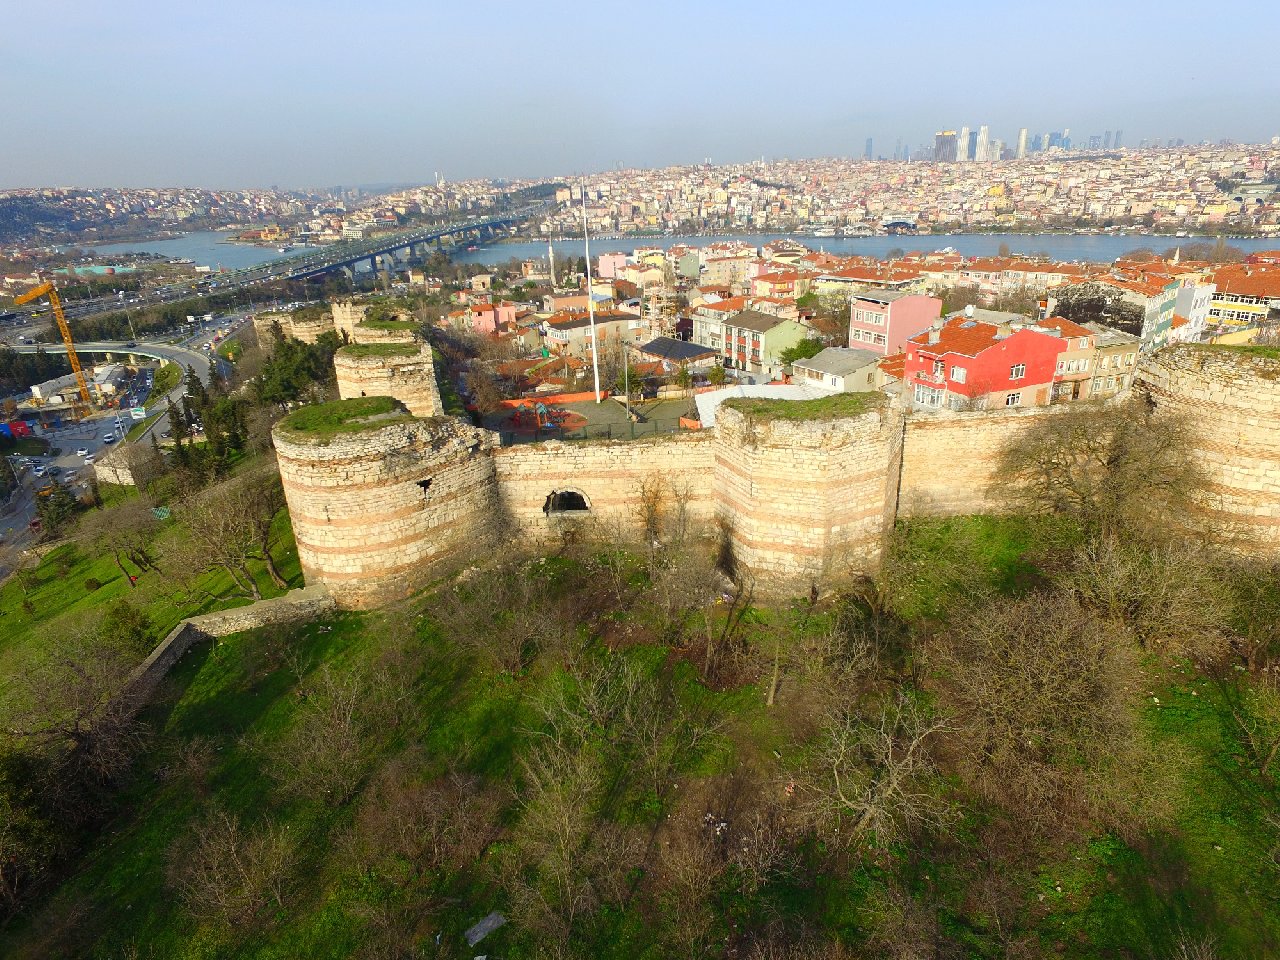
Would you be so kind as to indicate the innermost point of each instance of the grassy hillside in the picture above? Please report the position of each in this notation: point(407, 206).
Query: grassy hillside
point(626, 758)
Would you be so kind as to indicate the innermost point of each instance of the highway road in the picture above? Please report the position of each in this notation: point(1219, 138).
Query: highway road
point(88, 434)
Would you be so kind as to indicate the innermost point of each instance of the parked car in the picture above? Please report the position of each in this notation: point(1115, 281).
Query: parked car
point(108, 438)
point(88, 461)
point(82, 452)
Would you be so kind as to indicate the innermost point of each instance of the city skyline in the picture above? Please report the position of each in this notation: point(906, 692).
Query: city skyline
point(249, 96)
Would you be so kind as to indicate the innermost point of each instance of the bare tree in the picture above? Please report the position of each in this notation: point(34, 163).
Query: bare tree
point(1120, 470)
point(874, 776)
point(230, 525)
point(126, 531)
point(225, 871)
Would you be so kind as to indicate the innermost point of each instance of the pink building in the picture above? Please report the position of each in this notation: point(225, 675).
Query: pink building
point(883, 320)
point(609, 265)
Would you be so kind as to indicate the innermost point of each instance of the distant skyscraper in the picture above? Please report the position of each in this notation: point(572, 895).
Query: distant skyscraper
point(962, 145)
point(897, 149)
point(944, 146)
point(1022, 143)
point(1116, 142)
point(972, 152)
point(984, 144)
point(866, 154)
point(1106, 140)
point(1095, 142)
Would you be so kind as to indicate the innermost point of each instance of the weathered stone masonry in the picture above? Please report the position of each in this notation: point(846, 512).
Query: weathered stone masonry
point(1232, 401)
point(381, 512)
point(402, 371)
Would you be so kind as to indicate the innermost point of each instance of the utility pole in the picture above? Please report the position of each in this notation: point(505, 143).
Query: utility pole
point(591, 302)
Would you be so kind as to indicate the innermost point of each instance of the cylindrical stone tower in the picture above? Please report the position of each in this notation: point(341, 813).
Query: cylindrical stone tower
point(382, 502)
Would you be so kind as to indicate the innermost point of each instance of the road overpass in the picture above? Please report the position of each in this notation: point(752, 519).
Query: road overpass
point(152, 351)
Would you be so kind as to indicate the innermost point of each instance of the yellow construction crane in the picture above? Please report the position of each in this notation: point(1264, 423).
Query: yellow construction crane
point(36, 294)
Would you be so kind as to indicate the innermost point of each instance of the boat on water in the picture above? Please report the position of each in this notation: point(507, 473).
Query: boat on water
point(284, 249)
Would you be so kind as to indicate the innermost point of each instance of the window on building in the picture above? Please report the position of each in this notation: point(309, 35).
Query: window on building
point(879, 339)
point(928, 396)
point(938, 367)
point(1061, 366)
point(1017, 371)
point(1129, 360)
point(1111, 383)
point(958, 374)
point(1013, 399)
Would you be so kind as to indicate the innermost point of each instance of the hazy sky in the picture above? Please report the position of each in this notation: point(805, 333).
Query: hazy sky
point(231, 93)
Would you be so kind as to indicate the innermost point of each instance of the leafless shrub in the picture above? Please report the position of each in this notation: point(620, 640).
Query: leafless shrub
point(326, 751)
point(227, 872)
point(1171, 596)
point(1045, 694)
point(874, 776)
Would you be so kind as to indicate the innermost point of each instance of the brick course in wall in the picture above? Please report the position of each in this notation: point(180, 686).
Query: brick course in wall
point(802, 501)
point(379, 513)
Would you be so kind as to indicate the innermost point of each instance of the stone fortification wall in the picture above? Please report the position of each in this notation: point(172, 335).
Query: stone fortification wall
point(309, 330)
point(402, 371)
point(378, 333)
point(1231, 400)
point(380, 512)
point(802, 501)
point(294, 607)
point(346, 314)
point(306, 330)
point(950, 462)
point(613, 477)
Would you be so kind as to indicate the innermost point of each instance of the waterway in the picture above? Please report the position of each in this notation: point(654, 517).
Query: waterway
point(209, 248)
point(1099, 248)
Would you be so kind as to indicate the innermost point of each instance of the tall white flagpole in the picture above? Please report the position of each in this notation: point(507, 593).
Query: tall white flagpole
point(591, 300)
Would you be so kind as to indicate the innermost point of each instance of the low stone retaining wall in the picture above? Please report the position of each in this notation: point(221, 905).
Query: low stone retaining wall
point(293, 607)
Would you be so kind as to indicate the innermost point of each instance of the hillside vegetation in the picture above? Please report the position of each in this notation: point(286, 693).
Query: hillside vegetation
point(1051, 733)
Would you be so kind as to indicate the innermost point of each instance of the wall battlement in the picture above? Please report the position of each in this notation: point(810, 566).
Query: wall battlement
point(383, 509)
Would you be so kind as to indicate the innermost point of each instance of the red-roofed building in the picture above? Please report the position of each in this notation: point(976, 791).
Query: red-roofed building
point(979, 361)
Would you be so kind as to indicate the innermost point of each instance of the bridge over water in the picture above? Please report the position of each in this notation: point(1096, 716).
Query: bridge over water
point(314, 262)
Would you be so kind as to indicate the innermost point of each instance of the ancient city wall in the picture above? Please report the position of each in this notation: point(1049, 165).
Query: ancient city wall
point(308, 330)
point(614, 477)
point(802, 501)
point(394, 331)
point(294, 607)
point(378, 513)
point(346, 314)
point(402, 371)
point(951, 460)
point(1231, 400)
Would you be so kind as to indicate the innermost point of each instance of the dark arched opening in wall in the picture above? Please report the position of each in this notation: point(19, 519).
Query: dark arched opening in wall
point(565, 501)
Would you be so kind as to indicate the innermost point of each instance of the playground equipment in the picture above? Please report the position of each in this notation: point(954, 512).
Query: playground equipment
point(537, 416)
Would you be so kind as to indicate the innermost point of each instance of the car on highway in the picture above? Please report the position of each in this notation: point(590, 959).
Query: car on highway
point(82, 452)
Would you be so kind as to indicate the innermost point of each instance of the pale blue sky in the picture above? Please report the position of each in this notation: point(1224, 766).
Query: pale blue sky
point(229, 93)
